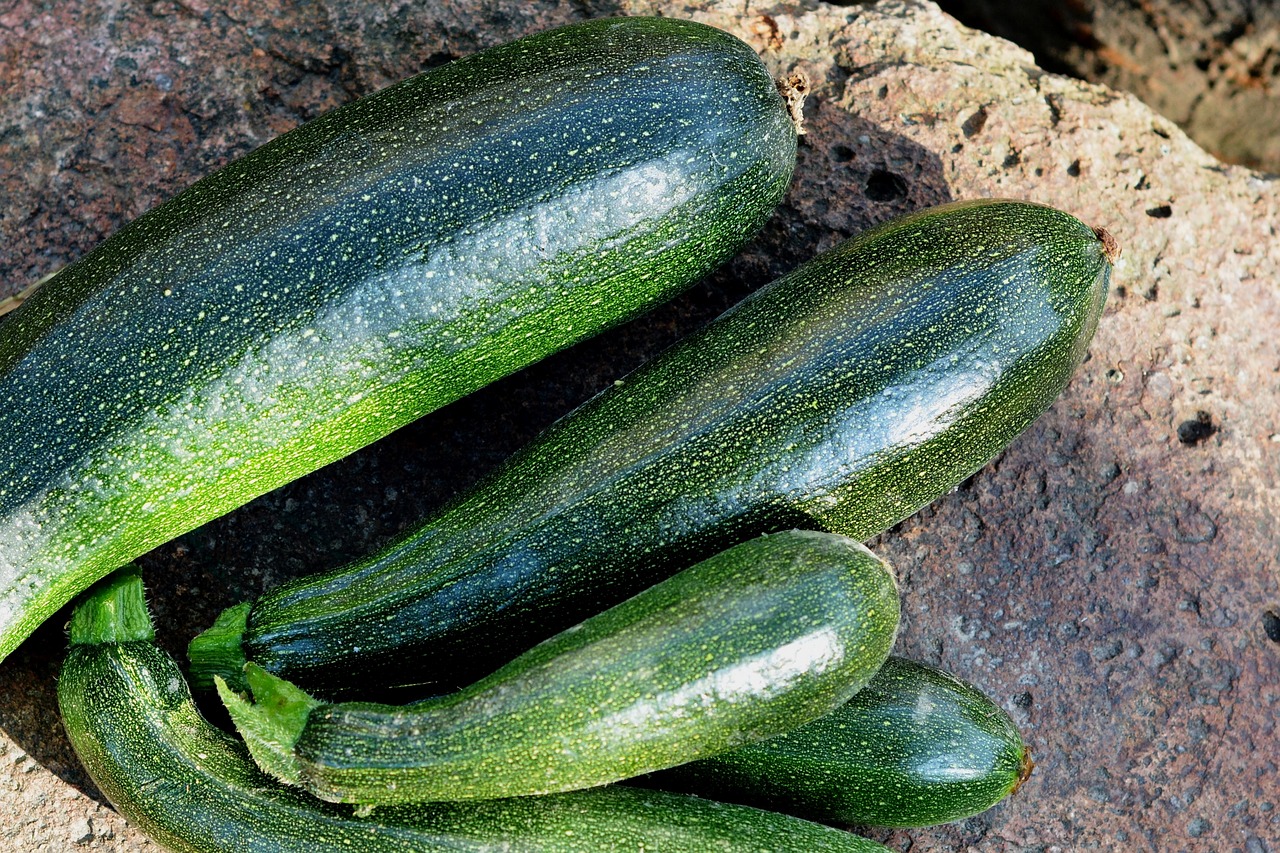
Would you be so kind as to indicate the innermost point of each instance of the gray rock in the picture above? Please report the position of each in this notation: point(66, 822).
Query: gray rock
point(81, 831)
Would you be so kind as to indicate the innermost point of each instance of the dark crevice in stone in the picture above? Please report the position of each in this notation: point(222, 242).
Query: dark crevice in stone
point(1197, 429)
point(1271, 625)
point(883, 185)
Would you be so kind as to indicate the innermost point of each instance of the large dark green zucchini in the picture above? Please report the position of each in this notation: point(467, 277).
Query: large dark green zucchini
point(844, 396)
point(193, 789)
point(915, 747)
point(750, 643)
point(361, 270)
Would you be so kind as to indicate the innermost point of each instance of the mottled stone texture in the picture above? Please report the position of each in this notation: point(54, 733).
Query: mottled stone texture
point(1213, 66)
point(1106, 579)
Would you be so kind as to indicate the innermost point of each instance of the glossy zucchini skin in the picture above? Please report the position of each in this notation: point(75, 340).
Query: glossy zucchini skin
point(915, 747)
point(843, 396)
point(361, 270)
point(193, 789)
point(750, 643)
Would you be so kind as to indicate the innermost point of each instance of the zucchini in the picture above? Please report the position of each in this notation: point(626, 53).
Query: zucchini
point(843, 396)
point(752, 642)
point(194, 789)
point(364, 269)
point(915, 747)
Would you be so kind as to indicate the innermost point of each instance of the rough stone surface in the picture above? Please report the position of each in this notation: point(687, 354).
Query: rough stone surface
point(1107, 579)
point(1213, 66)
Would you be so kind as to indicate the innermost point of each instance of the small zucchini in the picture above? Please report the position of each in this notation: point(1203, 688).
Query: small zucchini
point(915, 747)
point(843, 396)
point(361, 270)
point(747, 644)
point(194, 789)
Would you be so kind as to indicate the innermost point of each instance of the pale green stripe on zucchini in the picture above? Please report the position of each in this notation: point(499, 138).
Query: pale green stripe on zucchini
point(747, 644)
point(193, 789)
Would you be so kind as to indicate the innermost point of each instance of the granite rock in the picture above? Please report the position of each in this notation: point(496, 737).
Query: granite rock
point(1107, 579)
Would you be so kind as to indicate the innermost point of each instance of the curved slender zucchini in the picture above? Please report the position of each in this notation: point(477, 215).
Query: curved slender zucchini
point(364, 269)
point(915, 747)
point(750, 643)
point(193, 789)
point(843, 396)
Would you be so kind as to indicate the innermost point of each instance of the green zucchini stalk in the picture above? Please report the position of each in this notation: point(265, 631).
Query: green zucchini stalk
point(194, 789)
point(843, 396)
point(747, 644)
